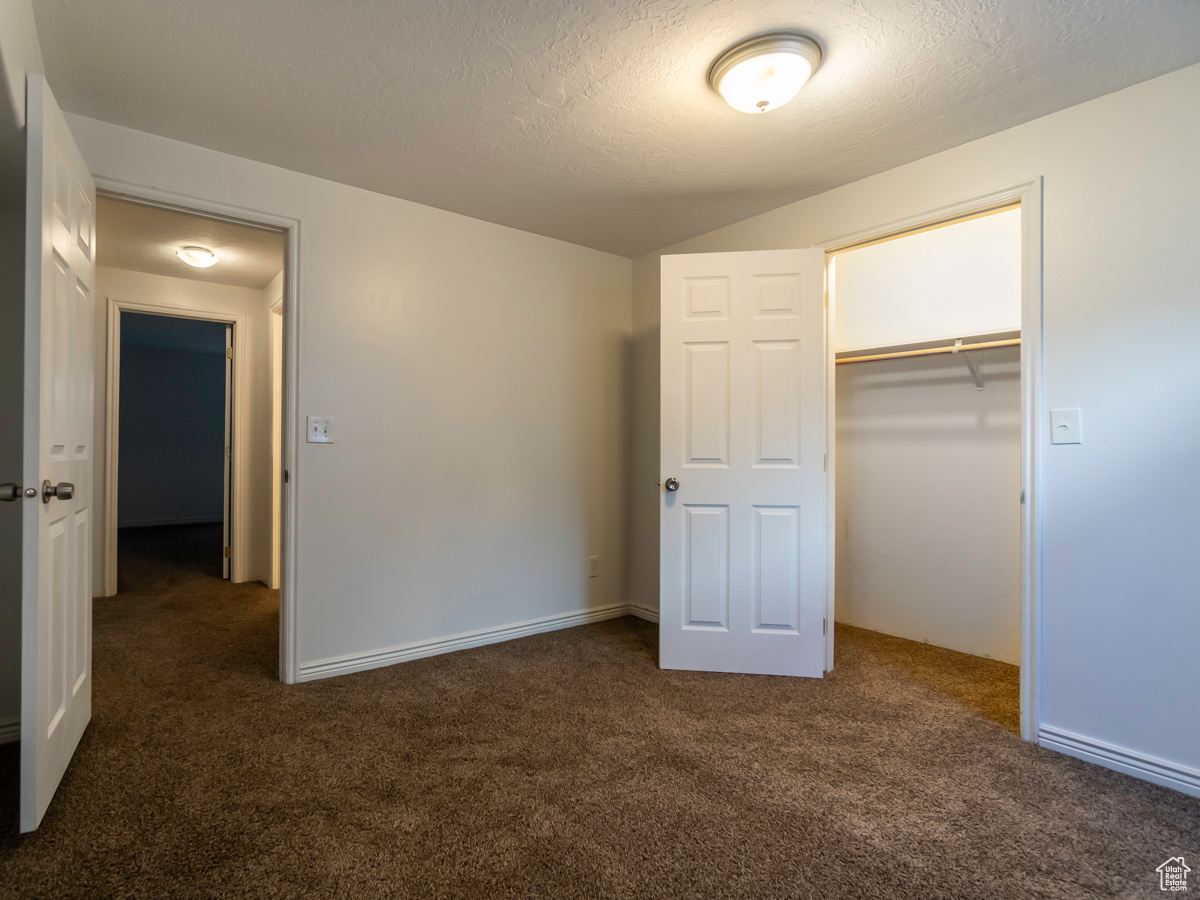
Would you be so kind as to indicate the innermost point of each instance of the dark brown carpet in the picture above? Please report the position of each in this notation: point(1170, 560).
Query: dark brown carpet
point(561, 766)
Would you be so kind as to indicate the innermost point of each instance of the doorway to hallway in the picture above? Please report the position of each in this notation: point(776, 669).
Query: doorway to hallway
point(175, 415)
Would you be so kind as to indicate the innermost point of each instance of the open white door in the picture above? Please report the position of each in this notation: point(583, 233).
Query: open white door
point(743, 524)
point(56, 625)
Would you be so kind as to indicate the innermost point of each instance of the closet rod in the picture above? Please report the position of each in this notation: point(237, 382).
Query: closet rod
point(931, 351)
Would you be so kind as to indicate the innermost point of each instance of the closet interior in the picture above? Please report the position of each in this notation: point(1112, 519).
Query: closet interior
point(926, 326)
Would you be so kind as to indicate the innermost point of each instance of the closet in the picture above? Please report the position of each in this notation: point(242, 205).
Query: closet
point(928, 434)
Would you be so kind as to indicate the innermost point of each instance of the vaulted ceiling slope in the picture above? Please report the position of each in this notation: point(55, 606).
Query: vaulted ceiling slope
point(590, 120)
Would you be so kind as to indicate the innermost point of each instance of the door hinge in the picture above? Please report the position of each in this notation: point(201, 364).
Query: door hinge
point(229, 553)
point(824, 462)
point(285, 476)
point(229, 353)
point(824, 626)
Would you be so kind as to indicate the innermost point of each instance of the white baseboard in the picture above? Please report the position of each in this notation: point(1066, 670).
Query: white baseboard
point(344, 665)
point(1149, 768)
point(643, 612)
point(10, 729)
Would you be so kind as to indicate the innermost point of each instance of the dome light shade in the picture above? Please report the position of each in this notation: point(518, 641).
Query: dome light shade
point(764, 73)
point(200, 257)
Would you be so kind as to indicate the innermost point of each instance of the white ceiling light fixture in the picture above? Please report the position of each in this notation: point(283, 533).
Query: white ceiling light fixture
point(764, 73)
point(200, 257)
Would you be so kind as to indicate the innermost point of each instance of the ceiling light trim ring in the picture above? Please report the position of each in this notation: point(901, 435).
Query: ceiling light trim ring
point(777, 42)
point(197, 256)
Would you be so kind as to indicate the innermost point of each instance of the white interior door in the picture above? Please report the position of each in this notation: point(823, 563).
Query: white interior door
point(743, 537)
point(56, 626)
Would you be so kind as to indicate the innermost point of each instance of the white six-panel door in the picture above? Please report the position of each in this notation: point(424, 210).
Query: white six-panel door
point(744, 538)
point(56, 627)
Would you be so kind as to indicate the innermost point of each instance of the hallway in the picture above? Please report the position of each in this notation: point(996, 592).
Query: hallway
point(148, 555)
point(561, 765)
point(173, 604)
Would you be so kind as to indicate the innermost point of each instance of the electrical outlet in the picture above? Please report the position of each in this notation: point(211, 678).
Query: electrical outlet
point(320, 429)
point(593, 567)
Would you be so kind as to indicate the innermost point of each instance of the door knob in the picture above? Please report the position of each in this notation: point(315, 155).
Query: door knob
point(672, 484)
point(64, 490)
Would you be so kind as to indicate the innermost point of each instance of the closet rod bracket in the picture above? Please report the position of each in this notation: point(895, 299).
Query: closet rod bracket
point(976, 371)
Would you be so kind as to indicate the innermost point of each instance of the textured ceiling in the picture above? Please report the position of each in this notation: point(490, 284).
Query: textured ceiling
point(144, 239)
point(590, 120)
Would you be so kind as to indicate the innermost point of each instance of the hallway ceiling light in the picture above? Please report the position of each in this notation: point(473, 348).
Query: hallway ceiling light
point(764, 73)
point(200, 257)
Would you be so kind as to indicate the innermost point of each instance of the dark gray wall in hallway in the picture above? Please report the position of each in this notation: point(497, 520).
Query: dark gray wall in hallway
point(172, 428)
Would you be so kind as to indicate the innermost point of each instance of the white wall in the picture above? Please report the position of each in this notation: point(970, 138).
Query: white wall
point(478, 380)
point(20, 53)
point(928, 510)
point(139, 287)
point(946, 283)
point(172, 465)
point(12, 404)
point(1122, 321)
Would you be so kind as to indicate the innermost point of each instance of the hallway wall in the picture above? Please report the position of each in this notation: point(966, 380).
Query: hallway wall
point(172, 466)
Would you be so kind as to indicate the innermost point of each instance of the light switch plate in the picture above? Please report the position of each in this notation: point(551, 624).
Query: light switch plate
point(320, 429)
point(1064, 427)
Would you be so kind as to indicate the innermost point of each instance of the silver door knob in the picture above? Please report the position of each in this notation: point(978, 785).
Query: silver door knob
point(64, 490)
point(672, 484)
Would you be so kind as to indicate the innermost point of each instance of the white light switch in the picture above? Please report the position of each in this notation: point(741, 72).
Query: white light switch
point(320, 429)
point(1064, 427)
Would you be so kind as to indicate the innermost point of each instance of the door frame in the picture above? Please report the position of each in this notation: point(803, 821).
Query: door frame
point(239, 507)
point(1033, 415)
point(227, 468)
point(289, 226)
point(276, 309)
